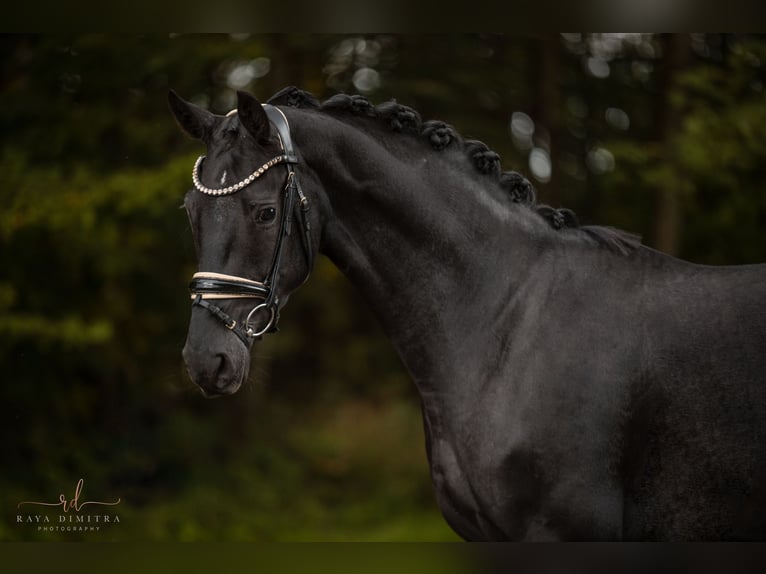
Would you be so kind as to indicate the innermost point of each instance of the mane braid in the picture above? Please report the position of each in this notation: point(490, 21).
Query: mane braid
point(440, 135)
point(403, 119)
point(294, 97)
point(484, 159)
point(355, 104)
point(400, 118)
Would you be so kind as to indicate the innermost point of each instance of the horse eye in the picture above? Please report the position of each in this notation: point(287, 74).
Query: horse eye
point(266, 215)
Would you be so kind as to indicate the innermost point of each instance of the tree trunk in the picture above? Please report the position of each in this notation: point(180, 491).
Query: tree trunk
point(548, 112)
point(676, 56)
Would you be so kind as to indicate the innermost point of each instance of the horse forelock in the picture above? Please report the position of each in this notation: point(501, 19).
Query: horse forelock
point(440, 135)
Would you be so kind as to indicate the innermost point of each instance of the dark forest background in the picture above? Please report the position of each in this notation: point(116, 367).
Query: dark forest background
point(662, 135)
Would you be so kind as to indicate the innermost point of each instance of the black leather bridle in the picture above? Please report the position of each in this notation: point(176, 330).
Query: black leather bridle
point(207, 286)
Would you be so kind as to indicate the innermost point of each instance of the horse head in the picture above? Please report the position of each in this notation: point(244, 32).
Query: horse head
point(252, 234)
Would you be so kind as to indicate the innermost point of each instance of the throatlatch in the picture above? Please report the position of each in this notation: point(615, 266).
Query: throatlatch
point(207, 286)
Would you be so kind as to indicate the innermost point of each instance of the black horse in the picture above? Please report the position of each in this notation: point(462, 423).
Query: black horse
point(574, 383)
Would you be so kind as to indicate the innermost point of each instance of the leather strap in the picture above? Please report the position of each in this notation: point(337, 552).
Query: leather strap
point(279, 121)
point(215, 286)
point(225, 318)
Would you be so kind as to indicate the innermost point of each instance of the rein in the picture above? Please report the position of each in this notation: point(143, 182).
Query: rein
point(207, 286)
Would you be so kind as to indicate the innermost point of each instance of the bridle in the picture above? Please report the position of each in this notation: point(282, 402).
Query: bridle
point(207, 286)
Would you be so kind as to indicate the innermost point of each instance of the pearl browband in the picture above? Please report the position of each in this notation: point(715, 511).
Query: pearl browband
point(237, 186)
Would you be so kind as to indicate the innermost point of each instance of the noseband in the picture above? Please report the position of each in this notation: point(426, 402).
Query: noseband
point(212, 286)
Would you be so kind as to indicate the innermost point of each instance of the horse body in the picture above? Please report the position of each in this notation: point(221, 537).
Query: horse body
point(569, 390)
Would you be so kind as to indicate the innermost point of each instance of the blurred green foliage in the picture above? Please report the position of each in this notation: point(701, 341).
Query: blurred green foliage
point(325, 442)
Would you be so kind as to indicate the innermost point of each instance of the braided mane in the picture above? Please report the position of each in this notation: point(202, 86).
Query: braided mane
point(440, 136)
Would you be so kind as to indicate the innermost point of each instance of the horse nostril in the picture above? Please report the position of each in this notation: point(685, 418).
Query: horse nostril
point(222, 369)
point(216, 373)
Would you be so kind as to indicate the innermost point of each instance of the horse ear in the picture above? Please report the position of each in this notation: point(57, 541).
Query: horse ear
point(192, 119)
point(253, 117)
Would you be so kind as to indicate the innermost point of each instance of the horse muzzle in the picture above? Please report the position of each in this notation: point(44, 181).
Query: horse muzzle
point(216, 374)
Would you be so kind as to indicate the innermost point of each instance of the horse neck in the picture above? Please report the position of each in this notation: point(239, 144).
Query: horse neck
point(425, 238)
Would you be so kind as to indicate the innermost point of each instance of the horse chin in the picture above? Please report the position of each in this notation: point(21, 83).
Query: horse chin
point(219, 392)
